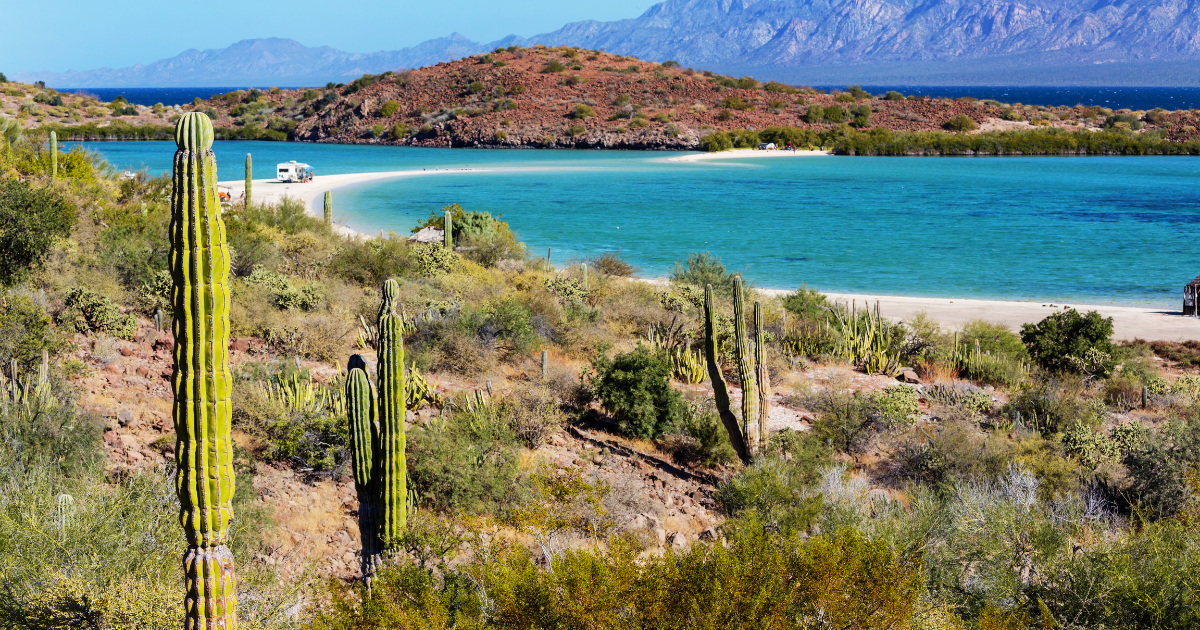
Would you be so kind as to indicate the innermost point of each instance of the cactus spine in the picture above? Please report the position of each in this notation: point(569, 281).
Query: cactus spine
point(448, 230)
point(53, 155)
point(720, 389)
point(393, 473)
point(249, 177)
point(760, 372)
point(364, 447)
point(328, 211)
point(201, 381)
point(745, 374)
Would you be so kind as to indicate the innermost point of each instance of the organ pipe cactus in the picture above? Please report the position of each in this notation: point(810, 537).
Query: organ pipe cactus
point(328, 211)
point(448, 230)
point(377, 435)
point(201, 383)
point(720, 389)
point(745, 373)
point(53, 155)
point(249, 177)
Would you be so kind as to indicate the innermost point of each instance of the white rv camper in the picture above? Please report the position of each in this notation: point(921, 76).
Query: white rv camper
point(294, 172)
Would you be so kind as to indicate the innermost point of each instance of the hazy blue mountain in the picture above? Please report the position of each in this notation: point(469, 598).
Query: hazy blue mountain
point(998, 42)
point(261, 62)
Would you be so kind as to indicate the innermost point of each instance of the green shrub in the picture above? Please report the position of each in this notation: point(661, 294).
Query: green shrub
point(1002, 370)
point(25, 331)
point(635, 387)
point(31, 219)
point(961, 123)
point(553, 66)
point(807, 304)
point(815, 114)
point(435, 260)
point(893, 95)
point(369, 262)
point(898, 404)
point(1070, 342)
point(835, 113)
point(388, 108)
point(775, 493)
point(583, 111)
point(845, 419)
point(717, 141)
point(1132, 122)
point(1160, 467)
point(993, 338)
point(1054, 405)
point(464, 462)
point(88, 311)
point(703, 269)
point(702, 439)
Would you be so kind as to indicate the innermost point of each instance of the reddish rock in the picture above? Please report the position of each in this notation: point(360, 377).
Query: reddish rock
point(126, 351)
point(142, 371)
point(240, 345)
point(113, 368)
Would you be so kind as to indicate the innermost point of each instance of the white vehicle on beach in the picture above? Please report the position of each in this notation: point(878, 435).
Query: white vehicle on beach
point(766, 146)
point(289, 172)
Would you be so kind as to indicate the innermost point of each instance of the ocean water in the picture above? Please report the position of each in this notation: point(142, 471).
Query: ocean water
point(1111, 97)
point(1101, 230)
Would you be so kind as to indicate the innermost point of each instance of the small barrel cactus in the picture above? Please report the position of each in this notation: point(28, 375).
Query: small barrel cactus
point(201, 381)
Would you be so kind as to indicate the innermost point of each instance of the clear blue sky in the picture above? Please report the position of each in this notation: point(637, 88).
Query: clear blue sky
point(86, 34)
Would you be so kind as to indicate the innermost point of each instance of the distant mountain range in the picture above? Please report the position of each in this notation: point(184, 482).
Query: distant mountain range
point(998, 42)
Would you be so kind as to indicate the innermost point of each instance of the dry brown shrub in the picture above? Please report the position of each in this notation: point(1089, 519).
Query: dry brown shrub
point(935, 371)
point(317, 336)
point(536, 415)
point(458, 354)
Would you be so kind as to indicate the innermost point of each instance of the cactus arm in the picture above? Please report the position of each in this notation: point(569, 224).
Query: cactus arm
point(448, 230)
point(391, 463)
point(328, 211)
point(201, 381)
point(249, 178)
point(364, 441)
point(720, 389)
point(745, 374)
point(764, 377)
point(53, 155)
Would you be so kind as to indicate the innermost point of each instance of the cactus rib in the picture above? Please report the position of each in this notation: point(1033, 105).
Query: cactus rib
point(720, 389)
point(745, 374)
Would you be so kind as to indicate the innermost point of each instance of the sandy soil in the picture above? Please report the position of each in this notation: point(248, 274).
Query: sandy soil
point(743, 153)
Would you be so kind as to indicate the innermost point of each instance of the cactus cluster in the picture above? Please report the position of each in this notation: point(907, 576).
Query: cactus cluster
point(201, 381)
point(249, 177)
point(377, 436)
point(328, 211)
point(53, 155)
point(750, 434)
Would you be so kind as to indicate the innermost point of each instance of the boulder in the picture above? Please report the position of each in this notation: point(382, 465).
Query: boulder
point(429, 235)
point(240, 345)
point(908, 375)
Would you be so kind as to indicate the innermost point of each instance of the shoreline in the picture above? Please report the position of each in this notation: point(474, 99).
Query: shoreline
point(746, 153)
point(1128, 321)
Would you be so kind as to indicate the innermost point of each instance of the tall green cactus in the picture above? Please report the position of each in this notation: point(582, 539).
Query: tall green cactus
point(377, 436)
point(393, 474)
point(328, 211)
point(720, 389)
point(745, 373)
point(201, 381)
point(364, 446)
point(448, 230)
point(53, 155)
point(249, 178)
point(761, 373)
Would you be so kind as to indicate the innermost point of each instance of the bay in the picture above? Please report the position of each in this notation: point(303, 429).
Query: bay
point(1102, 230)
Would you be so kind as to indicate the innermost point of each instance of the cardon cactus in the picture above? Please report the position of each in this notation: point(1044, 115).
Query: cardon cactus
point(761, 373)
point(720, 389)
point(249, 177)
point(745, 373)
point(53, 155)
point(448, 230)
point(364, 447)
point(328, 211)
point(199, 265)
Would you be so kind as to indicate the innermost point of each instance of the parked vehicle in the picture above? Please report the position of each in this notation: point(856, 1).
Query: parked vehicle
point(294, 172)
point(767, 146)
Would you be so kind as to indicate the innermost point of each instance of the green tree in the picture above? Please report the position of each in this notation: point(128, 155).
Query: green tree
point(703, 268)
point(1070, 342)
point(635, 387)
point(960, 123)
point(30, 219)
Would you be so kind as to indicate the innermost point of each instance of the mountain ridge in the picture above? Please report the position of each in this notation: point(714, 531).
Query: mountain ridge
point(1017, 42)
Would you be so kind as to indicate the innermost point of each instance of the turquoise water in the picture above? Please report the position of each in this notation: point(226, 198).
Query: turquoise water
point(1106, 230)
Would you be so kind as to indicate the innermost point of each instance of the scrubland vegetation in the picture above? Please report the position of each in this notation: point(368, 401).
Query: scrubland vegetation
point(1040, 479)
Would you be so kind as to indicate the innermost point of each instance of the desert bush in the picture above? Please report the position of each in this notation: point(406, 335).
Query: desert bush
point(898, 404)
point(25, 331)
point(994, 338)
point(1070, 342)
point(807, 304)
point(369, 262)
point(701, 440)
point(1131, 121)
point(635, 387)
point(704, 269)
point(534, 415)
point(815, 114)
point(1122, 392)
point(464, 461)
point(961, 123)
point(31, 218)
point(288, 215)
point(317, 336)
point(1159, 467)
point(843, 418)
point(611, 264)
point(434, 260)
point(88, 311)
point(1054, 405)
point(961, 395)
point(775, 494)
point(1002, 370)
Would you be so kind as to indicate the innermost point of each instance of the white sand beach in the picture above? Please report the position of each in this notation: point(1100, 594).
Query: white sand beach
point(745, 153)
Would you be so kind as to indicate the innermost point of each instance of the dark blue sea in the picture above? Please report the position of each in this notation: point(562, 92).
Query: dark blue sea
point(1112, 97)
